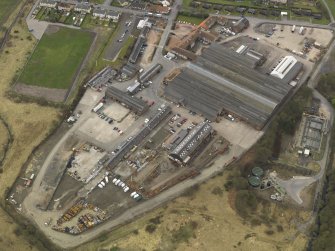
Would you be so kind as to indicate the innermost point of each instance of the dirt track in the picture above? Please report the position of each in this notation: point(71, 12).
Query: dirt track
point(56, 95)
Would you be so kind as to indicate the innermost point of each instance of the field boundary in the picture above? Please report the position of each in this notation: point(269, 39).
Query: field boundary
point(81, 67)
point(75, 77)
point(9, 141)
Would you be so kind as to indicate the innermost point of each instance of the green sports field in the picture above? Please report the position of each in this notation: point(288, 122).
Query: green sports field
point(57, 58)
point(6, 7)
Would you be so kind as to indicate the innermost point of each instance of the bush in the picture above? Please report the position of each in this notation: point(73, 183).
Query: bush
point(156, 220)
point(17, 231)
point(217, 191)
point(184, 233)
point(150, 228)
point(245, 202)
point(280, 228)
point(255, 222)
point(269, 232)
point(191, 191)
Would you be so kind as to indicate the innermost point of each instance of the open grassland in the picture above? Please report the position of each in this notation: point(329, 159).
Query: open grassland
point(205, 219)
point(4, 140)
point(57, 58)
point(6, 7)
point(29, 124)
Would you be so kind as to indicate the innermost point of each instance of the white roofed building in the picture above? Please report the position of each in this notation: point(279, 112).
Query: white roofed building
point(287, 67)
point(143, 23)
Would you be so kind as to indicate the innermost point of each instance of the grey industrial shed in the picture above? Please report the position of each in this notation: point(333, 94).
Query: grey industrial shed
point(222, 80)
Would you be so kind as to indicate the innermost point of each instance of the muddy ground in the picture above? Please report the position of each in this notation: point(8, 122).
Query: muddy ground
point(56, 95)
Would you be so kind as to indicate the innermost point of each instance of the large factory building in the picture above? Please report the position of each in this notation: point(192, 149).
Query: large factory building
point(188, 147)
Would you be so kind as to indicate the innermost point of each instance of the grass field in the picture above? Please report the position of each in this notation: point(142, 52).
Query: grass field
point(57, 58)
point(331, 5)
point(6, 7)
point(191, 20)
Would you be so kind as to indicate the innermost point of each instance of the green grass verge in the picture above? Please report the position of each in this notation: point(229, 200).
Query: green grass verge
point(251, 3)
point(6, 7)
point(191, 20)
point(56, 58)
point(98, 1)
point(116, 3)
point(331, 5)
point(128, 44)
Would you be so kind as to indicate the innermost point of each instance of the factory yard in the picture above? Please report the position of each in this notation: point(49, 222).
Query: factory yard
point(283, 37)
point(153, 40)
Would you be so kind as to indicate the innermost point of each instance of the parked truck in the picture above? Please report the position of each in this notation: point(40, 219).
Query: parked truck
point(98, 107)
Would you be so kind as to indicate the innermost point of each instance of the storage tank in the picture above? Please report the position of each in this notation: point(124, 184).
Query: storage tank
point(254, 181)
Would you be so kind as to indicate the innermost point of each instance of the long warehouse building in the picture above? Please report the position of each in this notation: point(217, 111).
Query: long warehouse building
point(137, 105)
point(222, 81)
point(185, 150)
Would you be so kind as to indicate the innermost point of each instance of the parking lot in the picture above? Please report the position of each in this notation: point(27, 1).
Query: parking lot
point(98, 129)
point(127, 26)
point(111, 198)
point(116, 111)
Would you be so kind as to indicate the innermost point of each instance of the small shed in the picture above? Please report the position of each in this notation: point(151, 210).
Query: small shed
point(307, 152)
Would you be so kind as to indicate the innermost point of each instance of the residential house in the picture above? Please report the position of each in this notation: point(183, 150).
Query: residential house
point(100, 13)
point(113, 15)
point(83, 8)
point(65, 6)
point(48, 3)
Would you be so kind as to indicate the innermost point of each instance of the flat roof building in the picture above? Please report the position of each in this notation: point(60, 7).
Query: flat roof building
point(150, 73)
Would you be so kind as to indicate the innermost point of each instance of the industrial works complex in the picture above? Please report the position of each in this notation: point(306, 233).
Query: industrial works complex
point(222, 80)
point(157, 120)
